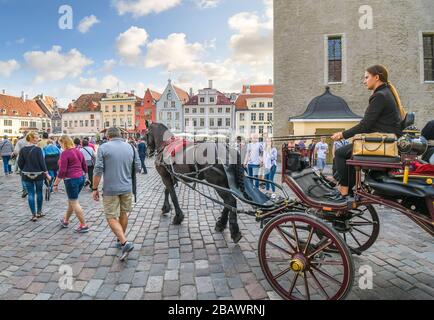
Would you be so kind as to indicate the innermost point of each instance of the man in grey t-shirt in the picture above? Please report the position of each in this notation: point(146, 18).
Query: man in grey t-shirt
point(114, 162)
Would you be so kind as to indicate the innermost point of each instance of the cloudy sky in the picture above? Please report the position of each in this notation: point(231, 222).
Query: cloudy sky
point(134, 43)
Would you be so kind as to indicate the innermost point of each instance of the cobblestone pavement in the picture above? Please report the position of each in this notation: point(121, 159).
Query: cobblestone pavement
point(190, 261)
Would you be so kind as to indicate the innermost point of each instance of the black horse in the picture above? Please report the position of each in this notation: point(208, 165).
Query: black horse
point(159, 139)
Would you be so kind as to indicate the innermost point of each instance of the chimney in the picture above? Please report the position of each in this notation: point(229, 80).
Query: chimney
point(248, 89)
point(107, 91)
point(3, 91)
point(191, 92)
point(23, 97)
point(210, 84)
point(133, 92)
point(270, 81)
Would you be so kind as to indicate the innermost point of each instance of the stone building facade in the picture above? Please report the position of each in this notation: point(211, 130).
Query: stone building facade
point(331, 43)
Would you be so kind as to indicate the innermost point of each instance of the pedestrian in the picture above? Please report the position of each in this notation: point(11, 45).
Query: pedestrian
point(33, 171)
point(321, 151)
point(44, 140)
point(52, 157)
point(6, 151)
point(142, 148)
point(311, 152)
point(89, 156)
point(428, 133)
point(21, 144)
point(77, 143)
point(253, 158)
point(116, 161)
point(270, 165)
point(72, 170)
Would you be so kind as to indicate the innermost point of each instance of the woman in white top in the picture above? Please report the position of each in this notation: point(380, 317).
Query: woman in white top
point(253, 158)
point(270, 165)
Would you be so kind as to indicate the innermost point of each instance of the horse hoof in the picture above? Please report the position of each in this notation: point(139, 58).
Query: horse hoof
point(165, 210)
point(219, 227)
point(177, 220)
point(237, 237)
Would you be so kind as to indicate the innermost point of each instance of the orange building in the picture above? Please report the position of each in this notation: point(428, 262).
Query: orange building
point(147, 110)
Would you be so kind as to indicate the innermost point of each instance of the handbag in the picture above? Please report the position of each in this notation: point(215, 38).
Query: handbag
point(375, 144)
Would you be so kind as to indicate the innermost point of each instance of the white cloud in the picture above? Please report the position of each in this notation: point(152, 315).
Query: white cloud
point(205, 4)
point(53, 65)
point(173, 53)
point(7, 67)
point(108, 65)
point(140, 8)
point(86, 23)
point(253, 42)
point(129, 44)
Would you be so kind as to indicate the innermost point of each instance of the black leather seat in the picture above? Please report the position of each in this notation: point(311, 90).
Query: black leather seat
point(408, 121)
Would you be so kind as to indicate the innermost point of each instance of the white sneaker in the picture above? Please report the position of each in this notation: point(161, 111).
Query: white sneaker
point(273, 196)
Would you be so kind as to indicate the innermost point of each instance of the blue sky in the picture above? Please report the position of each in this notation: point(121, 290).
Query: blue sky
point(136, 43)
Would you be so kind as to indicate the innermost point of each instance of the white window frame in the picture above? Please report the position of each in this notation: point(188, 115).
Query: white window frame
point(421, 57)
point(326, 58)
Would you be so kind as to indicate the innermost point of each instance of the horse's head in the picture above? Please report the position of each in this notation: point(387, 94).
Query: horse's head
point(156, 135)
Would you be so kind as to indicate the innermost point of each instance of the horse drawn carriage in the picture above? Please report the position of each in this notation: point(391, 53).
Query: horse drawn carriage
point(306, 245)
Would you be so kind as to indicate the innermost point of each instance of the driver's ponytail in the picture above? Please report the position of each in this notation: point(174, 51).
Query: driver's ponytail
point(397, 99)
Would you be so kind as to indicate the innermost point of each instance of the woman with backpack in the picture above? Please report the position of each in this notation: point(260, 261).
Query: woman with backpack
point(33, 170)
point(89, 155)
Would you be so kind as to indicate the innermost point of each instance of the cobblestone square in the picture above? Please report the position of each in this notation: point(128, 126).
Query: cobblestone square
point(191, 261)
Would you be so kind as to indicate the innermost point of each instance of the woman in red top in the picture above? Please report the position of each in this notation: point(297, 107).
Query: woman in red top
point(72, 169)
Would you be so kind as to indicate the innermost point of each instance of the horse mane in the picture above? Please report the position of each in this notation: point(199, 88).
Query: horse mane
point(160, 133)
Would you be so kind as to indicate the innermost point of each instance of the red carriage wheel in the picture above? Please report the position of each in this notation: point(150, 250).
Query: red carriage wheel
point(296, 262)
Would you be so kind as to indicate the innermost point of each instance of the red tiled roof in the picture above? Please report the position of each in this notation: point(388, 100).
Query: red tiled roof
point(259, 89)
point(11, 104)
point(155, 94)
point(182, 95)
point(222, 100)
point(86, 102)
point(241, 103)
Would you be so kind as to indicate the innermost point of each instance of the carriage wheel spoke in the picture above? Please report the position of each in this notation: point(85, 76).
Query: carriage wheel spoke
point(294, 281)
point(366, 219)
point(362, 232)
point(321, 248)
point(278, 247)
point(294, 228)
point(282, 234)
point(361, 224)
point(319, 284)
point(309, 239)
point(306, 285)
point(345, 237)
point(281, 273)
point(326, 275)
point(328, 262)
point(355, 239)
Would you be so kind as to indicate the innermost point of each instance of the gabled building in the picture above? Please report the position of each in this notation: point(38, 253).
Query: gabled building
point(169, 107)
point(19, 115)
point(210, 111)
point(254, 110)
point(49, 106)
point(147, 109)
point(84, 115)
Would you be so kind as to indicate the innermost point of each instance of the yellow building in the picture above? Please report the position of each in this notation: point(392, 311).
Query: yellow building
point(325, 115)
point(118, 110)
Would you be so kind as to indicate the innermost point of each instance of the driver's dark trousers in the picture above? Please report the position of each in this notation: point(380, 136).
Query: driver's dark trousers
point(345, 174)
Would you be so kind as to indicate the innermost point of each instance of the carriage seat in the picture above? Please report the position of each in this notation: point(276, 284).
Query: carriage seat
point(243, 187)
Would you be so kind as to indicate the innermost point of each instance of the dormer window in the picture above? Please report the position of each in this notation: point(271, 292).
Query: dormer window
point(29, 114)
point(15, 112)
point(169, 96)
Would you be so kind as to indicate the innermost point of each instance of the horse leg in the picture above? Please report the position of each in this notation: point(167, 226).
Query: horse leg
point(179, 215)
point(166, 207)
point(233, 223)
point(222, 222)
point(234, 228)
